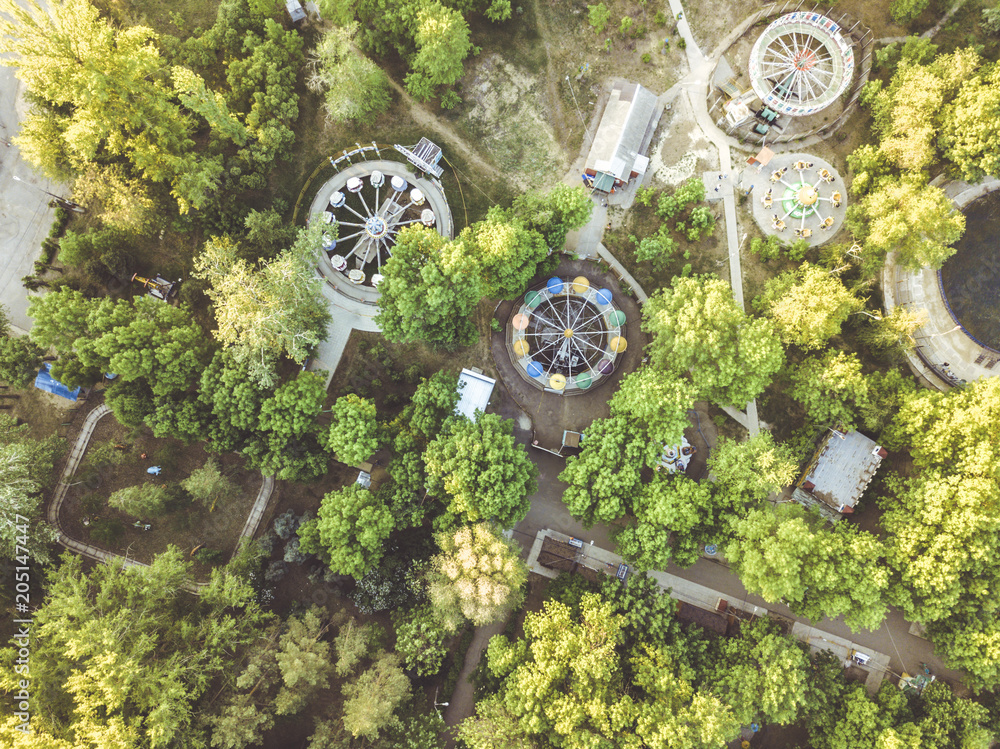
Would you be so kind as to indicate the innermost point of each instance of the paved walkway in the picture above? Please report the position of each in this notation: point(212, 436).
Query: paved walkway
point(25, 216)
point(101, 555)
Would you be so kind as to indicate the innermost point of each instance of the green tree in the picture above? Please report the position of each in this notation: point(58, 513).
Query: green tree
point(130, 401)
point(831, 388)
point(598, 17)
point(373, 697)
point(697, 326)
point(657, 400)
point(142, 500)
point(970, 137)
point(751, 470)
point(353, 435)
point(429, 290)
point(304, 661)
point(354, 89)
point(125, 656)
point(21, 509)
point(420, 638)
point(20, 356)
point(478, 575)
point(554, 213)
point(442, 39)
point(493, 727)
point(915, 220)
point(808, 305)
point(349, 533)
point(208, 485)
point(109, 103)
point(276, 310)
point(605, 477)
point(288, 446)
point(906, 10)
point(479, 470)
point(233, 399)
point(675, 517)
point(787, 556)
point(506, 252)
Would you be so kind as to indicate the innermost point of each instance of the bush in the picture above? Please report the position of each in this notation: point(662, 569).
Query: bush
point(659, 19)
point(598, 17)
point(209, 556)
point(286, 524)
point(141, 500)
point(646, 57)
point(681, 43)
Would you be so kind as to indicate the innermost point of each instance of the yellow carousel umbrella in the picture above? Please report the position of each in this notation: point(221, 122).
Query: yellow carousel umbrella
point(580, 284)
point(521, 347)
point(557, 382)
point(520, 321)
point(618, 344)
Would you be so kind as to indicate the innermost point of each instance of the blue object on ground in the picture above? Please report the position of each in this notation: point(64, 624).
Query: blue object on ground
point(44, 381)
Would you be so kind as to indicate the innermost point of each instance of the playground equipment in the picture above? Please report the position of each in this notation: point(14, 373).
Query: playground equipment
point(158, 287)
point(801, 63)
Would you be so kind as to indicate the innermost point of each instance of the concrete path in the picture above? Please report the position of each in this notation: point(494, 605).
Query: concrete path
point(25, 216)
point(346, 314)
point(696, 85)
point(462, 701)
point(101, 555)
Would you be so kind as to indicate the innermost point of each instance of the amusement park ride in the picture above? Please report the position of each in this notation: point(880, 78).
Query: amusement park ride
point(158, 287)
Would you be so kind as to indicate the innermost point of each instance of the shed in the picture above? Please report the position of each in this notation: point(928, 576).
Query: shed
point(840, 470)
point(618, 151)
point(44, 381)
point(295, 11)
point(475, 390)
point(761, 159)
point(557, 555)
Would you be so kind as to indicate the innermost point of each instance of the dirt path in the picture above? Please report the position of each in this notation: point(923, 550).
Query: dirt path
point(425, 119)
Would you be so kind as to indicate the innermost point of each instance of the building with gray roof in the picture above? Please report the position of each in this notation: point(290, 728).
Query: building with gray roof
point(838, 473)
point(626, 129)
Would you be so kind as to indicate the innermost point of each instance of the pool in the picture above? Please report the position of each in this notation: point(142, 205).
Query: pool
point(971, 277)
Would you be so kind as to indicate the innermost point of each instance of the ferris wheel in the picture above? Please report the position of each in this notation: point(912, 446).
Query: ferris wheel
point(366, 206)
point(801, 63)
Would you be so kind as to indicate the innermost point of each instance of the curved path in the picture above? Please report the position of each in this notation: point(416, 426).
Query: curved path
point(101, 555)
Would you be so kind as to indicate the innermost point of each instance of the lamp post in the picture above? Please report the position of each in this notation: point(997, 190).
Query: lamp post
point(62, 201)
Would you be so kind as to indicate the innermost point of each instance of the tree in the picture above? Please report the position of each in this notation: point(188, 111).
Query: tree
point(606, 475)
point(697, 326)
point(480, 471)
point(277, 310)
point(831, 388)
point(373, 697)
point(420, 637)
point(349, 532)
point(506, 252)
point(808, 305)
point(289, 445)
point(207, 485)
point(431, 405)
point(915, 220)
point(20, 356)
point(906, 10)
point(657, 400)
point(555, 213)
point(112, 105)
point(233, 399)
point(429, 290)
point(21, 511)
point(561, 680)
point(598, 17)
point(142, 500)
point(751, 470)
point(894, 332)
point(787, 556)
point(493, 727)
point(478, 575)
point(124, 656)
point(354, 89)
point(353, 434)
point(762, 674)
point(304, 661)
point(131, 402)
point(970, 138)
point(442, 39)
point(675, 517)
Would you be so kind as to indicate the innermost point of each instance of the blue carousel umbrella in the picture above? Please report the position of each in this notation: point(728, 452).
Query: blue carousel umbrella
point(603, 297)
point(535, 369)
point(555, 285)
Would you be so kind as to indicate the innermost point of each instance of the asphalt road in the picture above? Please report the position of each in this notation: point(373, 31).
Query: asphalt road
point(906, 651)
point(25, 217)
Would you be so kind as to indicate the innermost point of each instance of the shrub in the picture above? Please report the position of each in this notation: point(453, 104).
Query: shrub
point(598, 16)
point(286, 524)
point(681, 43)
point(208, 556)
point(646, 57)
point(141, 500)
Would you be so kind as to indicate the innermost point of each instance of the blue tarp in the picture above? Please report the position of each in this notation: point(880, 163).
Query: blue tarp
point(45, 382)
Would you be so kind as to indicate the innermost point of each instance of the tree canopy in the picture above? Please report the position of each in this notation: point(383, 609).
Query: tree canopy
point(808, 305)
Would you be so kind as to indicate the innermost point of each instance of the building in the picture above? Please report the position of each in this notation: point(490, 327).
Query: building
point(838, 473)
point(475, 390)
point(622, 138)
